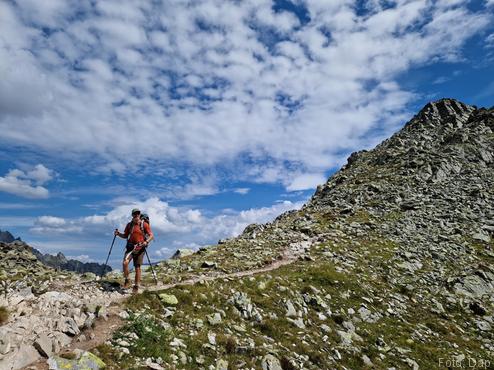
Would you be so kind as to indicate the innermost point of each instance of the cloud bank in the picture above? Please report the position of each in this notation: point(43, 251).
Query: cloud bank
point(27, 184)
point(250, 88)
point(174, 227)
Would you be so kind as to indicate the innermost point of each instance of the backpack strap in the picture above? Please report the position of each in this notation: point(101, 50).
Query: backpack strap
point(130, 225)
point(141, 225)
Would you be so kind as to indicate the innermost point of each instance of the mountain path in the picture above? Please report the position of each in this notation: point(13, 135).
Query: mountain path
point(105, 327)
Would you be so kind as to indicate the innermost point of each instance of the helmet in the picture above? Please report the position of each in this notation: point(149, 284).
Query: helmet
point(135, 210)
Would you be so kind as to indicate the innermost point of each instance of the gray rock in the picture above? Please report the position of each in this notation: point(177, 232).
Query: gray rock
point(367, 361)
point(484, 326)
point(26, 355)
point(299, 322)
point(482, 237)
point(44, 345)
point(67, 325)
point(476, 284)
point(214, 319)
point(270, 362)
point(5, 342)
point(290, 309)
point(221, 364)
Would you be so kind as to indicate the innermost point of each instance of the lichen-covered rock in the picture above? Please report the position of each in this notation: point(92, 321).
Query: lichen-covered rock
point(168, 299)
point(84, 361)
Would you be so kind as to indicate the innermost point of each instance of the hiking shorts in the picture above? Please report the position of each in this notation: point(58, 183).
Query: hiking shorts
point(137, 258)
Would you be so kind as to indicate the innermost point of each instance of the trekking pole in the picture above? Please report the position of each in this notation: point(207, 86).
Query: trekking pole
point(113, 242)
point(152, 270)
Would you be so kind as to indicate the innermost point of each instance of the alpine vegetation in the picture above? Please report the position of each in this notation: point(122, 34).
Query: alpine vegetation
point(389, 265)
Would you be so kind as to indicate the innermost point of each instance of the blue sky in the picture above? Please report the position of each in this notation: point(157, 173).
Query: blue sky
point(211, 114)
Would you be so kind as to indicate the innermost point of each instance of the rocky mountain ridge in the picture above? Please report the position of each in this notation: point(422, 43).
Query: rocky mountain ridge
point(390, 267)
point(58, 261)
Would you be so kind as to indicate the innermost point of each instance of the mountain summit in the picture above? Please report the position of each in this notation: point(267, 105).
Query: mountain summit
point(389, 265)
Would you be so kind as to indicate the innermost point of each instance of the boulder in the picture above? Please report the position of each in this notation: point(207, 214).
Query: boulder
point(168, 299)
point(20, 358)
point(270, 362)
point(44, 345)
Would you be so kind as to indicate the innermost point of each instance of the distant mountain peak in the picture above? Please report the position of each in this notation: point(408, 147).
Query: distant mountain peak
point(7, 237)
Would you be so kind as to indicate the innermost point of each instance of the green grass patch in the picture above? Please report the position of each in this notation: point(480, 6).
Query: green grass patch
point(4, 315)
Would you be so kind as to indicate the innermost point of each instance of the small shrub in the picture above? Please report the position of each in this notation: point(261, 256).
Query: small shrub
point(228, 342)
point(338, 319)
point(4, 315)
point(68, 355)
point(267, 327)
point(286, 364)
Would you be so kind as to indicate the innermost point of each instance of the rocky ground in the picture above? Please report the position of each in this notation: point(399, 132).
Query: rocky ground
point(389, 266)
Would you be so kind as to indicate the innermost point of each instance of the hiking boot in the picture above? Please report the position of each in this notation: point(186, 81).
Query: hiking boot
point(135, 289)
point(126, 284)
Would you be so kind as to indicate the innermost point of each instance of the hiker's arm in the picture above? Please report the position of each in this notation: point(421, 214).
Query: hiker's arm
point(123, 235)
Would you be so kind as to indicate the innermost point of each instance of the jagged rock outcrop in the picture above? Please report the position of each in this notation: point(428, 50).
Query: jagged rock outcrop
point(58, 261)
point(7, 237)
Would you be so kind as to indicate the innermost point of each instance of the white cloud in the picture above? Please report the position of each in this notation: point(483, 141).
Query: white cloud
point(27, 184)
point(40, 174)
point(55, 225)
point(306, 181)
point(242, 191)
point(51, 221)
point(100, 74)
point(489, 40)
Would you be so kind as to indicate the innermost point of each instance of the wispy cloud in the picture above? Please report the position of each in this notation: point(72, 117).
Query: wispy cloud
point(489, 41)
point(27, 184)
point(242, 191)
point(226, 86)
point(55, 225)
point(12, 206)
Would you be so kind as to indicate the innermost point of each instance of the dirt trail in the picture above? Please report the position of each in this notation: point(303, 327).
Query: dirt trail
point(272, 266)
point(104, 329)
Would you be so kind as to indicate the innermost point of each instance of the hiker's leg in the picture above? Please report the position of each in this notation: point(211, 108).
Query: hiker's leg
point(138, 275)
point(126, 268)
point(138, 259)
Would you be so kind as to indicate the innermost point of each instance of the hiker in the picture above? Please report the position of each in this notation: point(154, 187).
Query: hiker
point(138, 234)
